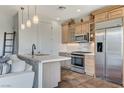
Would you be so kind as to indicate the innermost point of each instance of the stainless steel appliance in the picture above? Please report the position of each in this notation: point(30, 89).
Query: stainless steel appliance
point(109, 50)
point(83, 38)
point(78, 61)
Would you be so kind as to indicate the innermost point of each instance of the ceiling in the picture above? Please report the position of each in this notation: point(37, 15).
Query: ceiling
point(52, 11)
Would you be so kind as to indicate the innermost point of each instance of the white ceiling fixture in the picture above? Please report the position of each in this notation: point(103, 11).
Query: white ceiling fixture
point(22, 24)
point(61, 7)
point(78, 10)
point(35, 17)
point(28, 21)
point(57, 18)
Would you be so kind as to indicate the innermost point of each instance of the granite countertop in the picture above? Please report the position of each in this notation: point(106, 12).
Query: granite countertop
point(88, 54)
point(44, 59)
point(66, 54)
point(69, 53)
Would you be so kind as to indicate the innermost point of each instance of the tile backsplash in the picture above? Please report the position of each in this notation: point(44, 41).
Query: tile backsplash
point(77, 47)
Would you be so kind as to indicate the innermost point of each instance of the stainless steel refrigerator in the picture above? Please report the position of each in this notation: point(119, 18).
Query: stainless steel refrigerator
point(109, 50)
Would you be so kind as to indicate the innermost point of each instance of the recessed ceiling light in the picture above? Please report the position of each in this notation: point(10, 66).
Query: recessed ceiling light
point(61, 7)
point(78, 10)
point(58, 18)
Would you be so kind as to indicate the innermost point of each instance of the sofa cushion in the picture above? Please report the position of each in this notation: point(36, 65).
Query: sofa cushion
point(14, 57)
point(18, 66)
point(5, 68)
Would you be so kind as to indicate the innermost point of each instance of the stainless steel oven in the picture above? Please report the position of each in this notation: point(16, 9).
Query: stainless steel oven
point(77, 62)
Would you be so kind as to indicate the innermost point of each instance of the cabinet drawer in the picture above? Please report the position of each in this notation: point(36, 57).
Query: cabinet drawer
point(100, 17)
point(116, 13)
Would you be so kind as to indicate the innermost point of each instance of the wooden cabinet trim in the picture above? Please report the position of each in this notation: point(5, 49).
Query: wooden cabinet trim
point(106, 9)
point(101, 17)
point(116, 13)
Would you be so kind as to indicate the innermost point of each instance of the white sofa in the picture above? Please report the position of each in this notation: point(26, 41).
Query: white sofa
point(20, 75)
point(17, 80)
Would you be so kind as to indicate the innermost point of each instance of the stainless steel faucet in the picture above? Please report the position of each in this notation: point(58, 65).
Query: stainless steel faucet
point(33, 48)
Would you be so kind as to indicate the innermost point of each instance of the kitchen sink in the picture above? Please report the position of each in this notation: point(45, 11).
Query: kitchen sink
point(41, 54)
point(38, 54)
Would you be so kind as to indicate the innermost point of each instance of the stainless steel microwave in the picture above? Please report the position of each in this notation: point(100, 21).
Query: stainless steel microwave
point(83, 38)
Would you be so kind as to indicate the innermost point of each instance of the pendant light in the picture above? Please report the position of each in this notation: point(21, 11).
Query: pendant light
point(22, 24)
point(28, 21)
point(35, 17)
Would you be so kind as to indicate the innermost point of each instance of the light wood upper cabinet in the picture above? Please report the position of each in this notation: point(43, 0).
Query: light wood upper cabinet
point(78, 29)
point(104, 16)
point(71, 33)
point(86, 27)
point(65, 33)
point(68, 33)
point(116, 13)
point(101, 17)
point(82, 28)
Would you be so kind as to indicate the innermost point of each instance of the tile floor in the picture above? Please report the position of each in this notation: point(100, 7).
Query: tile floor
point(72, 79)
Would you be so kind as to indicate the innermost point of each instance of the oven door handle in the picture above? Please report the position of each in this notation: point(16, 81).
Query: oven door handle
point(77, 56)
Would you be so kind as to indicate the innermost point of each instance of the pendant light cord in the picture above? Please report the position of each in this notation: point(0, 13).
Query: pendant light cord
point(22, 13)
point(28, 12)
point(35, 9)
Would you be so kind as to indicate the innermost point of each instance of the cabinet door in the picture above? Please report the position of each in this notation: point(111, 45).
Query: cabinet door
point(65, 34)
point(78, 29)
point(71, 33)
point(90, 65)
point(86, 27)
point(116, 13)
point(101, 17)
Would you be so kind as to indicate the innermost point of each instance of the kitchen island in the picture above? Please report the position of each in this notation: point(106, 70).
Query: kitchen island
point(47, 69)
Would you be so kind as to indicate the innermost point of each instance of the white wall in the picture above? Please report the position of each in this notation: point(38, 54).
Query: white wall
point(6, 25)
point(44, 35)
point(26, 37)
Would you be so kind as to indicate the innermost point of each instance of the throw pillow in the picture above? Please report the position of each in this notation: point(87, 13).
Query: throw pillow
point(18, 66)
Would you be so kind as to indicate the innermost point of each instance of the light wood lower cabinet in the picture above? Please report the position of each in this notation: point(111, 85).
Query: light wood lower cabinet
point(90, 65)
